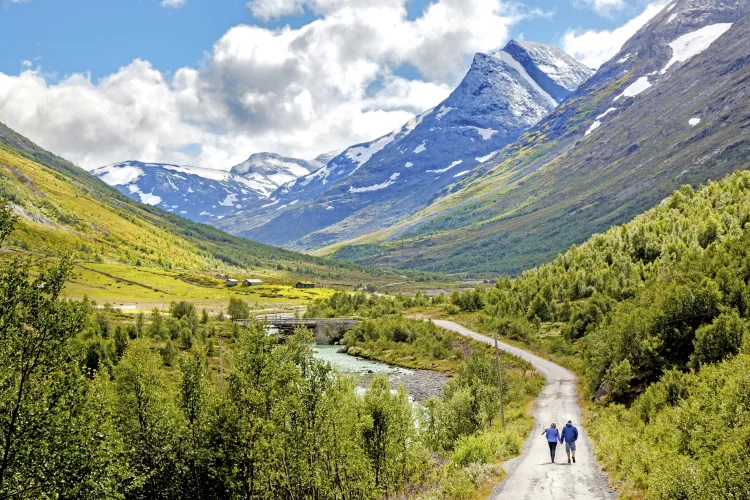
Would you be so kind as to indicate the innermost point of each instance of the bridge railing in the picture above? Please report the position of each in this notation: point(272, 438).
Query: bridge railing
point(280, 320)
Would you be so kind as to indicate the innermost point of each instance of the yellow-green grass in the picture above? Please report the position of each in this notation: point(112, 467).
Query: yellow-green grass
point(145, 288)
point(102, 228)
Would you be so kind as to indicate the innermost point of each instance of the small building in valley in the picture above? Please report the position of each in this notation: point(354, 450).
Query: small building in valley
point(231, 282)
point(304, 284)
point(221, 276)
point(252, 282)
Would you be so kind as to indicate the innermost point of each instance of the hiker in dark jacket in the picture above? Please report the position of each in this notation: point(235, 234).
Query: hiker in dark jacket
point(553, 436)
point(569, 437)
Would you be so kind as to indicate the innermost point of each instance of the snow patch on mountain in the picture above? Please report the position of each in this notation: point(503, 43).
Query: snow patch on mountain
point(264, 173)
point(206, 173)
point(593, 127)
point(118, 174)
point(325, 158)
point(444, 110)
point(482, 159)
point(610, 110)
point(273, 164)
point(440, 171)
point(229, 200)
point(555, 71)
point(362, 154)
point(147, 198)
point(168, 186)
point(694, 121)
point(691, 44)
point(485, 133)
point(376, 187)
point(639, 86)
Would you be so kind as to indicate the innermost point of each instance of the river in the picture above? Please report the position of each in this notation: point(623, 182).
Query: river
point(421, 384)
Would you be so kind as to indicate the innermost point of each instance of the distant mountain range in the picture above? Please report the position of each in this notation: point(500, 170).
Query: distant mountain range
point(375, 185)
point(303, 205)
point(531, 153)
point(204, 194)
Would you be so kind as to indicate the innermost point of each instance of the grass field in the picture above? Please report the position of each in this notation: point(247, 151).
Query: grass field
point(146, 288)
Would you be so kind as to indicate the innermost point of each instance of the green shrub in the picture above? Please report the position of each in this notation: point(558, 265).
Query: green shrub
point(720, 340)
point(485, 448)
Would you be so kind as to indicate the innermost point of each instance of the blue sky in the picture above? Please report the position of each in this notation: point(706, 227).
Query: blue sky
point(209, 82)
point(99, 36)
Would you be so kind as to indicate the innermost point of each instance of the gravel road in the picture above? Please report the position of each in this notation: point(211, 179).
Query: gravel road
point(531, 475)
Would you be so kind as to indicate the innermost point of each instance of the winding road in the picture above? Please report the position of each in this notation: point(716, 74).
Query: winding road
point(531, 475)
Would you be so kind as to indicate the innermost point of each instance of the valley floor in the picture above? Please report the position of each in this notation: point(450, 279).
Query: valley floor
point(531, 475)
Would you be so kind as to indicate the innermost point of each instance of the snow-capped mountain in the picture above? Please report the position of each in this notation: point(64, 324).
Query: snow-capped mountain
point(268, 171)
point(200, 194)
point(380, 183)
point(553, 70)
point(344, 164)
point(205, 194)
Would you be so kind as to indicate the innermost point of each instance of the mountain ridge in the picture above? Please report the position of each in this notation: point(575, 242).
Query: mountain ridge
point(565, 178)
point(376, 184)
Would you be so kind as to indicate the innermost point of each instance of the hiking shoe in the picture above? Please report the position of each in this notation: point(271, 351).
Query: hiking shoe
point(574, 459)
point(568, 460)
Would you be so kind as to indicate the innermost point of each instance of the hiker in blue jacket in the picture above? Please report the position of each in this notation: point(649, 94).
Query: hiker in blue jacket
point(569, 437)
point(553, 436)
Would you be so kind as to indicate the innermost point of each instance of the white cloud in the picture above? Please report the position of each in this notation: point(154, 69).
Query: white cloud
point(594, 48)
point(271, 9)
point(173, 4)
point(605, 7)
point(326, 85)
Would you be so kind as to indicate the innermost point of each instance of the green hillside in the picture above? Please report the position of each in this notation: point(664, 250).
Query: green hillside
point(127, 252)
point(655, 314)
point(557, 185)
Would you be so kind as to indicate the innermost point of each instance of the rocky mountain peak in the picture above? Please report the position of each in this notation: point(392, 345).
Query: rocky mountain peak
point(274, 166)
point(519, 84)
point(554, 70)
point(323, 159)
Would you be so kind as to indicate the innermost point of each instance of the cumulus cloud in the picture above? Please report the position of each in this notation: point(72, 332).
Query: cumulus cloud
point(173, 4)
point(326, 85)
point(604, 7)
point(594, 48)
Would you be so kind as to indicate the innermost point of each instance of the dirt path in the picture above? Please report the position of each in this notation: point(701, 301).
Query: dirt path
point(531, 475)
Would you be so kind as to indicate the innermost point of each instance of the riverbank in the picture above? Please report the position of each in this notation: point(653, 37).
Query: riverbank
point(421, 384)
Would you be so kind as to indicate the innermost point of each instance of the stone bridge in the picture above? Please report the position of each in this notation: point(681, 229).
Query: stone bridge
point(325, 328)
